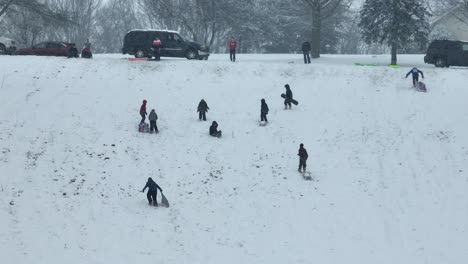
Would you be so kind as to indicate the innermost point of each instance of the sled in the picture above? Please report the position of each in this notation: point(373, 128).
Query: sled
point(364, 64)
point(421, 87)
point(292, 100)
point(262, 123)
point(164, 201)
point(306, 175)
point(143, 128)
point(137, 59)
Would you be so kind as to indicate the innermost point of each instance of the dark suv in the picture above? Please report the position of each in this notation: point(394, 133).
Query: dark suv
point(138, 43)
point(445, 53)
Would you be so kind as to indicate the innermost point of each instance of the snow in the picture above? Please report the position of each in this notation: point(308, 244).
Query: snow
point(389, 164)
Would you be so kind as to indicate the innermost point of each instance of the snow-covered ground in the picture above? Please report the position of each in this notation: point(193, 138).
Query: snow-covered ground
point(389, 164)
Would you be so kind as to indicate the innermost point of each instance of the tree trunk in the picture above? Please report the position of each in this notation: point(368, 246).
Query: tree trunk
point(316, 28)
point(394, 54)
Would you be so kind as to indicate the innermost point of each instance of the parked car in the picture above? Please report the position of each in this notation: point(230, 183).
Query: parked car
point(50, 48)
point(138, 43)
point(445, 53)
point(7, 46)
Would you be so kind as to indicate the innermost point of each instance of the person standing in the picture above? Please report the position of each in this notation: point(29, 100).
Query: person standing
point(202, 109)
point(157, 48)
point(143, 112)
point(415, 72)
point(232, 49)
point(306, 51)
point(152, 118)
point(152, 191)
point(264, 111)
point(302, 158)
point(288, 98)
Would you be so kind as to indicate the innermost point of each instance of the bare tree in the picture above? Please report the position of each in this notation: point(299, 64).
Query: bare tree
point(113, 21)
point(320, 9)
point(34, 6)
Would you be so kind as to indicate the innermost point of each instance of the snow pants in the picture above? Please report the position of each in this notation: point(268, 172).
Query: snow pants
point(232, 55)
point(152, 195)
point(306, 57)
point(415, 80)
point(143, 117)
point(153, 126)
point(302, 164)
point(263, 117)
point(202, 115)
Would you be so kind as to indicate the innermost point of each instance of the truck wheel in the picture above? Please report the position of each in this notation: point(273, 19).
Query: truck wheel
point(440, 62)
point(191, 54)
point(140, 53)
point(3, 50)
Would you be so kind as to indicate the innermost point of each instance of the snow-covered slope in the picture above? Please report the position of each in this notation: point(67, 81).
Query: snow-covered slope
point(389, 163)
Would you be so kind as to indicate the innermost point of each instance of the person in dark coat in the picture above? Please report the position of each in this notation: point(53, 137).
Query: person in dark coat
point(306, 52)
point(415, 72)
point(152, 193)
point(202, 109)
point(143, 112)
point(264, 111)
point(232, 49)
point(214, 130)
point(157, 48)
point(302, 158)
point(152, 118)
point(288, 98)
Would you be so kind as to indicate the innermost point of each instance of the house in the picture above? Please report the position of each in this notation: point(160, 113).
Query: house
point(453, 24)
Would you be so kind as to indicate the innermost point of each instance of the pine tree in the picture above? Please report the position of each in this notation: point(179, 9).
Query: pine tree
point(395, 23)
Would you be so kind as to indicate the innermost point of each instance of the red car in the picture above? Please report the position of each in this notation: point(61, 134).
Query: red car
point(50, 48)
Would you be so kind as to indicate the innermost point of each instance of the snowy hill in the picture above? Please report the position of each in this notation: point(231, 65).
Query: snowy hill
point(389, 164)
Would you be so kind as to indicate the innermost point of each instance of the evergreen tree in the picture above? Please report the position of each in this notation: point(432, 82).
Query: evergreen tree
point(395, 23)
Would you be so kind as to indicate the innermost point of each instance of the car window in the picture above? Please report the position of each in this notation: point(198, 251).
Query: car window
point(177, 38)
point(465, 47)
point(40, 46)
point(170, 36)
point(55, 46)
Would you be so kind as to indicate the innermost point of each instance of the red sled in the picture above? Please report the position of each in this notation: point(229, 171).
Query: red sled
point(138, 59)
point(421, 87)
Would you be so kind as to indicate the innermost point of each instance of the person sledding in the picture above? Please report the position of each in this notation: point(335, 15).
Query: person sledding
point(152, 193)
point(303, 156)
point(214, 132)
point(415, 73)
point(202, 109)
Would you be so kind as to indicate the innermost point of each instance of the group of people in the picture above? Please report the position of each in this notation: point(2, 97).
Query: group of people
point(152, 117)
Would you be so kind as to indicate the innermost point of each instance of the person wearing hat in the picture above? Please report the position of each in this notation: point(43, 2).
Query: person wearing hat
point(214, 130)
point(152, 191)
point(143, 112)
point(264, 111)
point(302, 158)
point(202, 109)
point(288, 98)
point(152, 118)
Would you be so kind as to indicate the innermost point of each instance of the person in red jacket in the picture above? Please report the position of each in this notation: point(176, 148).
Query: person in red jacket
point(143, 111)
point(232, 49)
point(157, 48)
